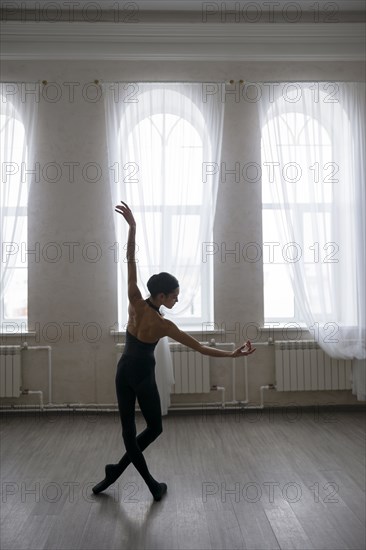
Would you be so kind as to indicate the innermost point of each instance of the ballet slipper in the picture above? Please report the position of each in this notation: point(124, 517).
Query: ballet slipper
point(112, 472)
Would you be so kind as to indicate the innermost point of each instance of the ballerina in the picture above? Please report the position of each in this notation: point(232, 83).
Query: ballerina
point(135, 377)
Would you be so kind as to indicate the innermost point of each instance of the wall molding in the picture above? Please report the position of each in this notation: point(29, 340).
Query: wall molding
point(142, 41)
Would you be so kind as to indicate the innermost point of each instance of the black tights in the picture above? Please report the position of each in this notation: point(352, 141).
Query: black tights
point(136, 379)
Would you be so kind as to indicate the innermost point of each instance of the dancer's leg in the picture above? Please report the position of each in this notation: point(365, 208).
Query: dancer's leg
point(126, 405)
point(149, 402)
point(114, 471)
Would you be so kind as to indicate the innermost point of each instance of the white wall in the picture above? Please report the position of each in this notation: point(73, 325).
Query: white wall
point(84, 292)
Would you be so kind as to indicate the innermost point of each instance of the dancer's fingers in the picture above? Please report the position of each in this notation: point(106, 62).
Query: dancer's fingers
point(246, 349)
point(121, 208)
point(120, 211)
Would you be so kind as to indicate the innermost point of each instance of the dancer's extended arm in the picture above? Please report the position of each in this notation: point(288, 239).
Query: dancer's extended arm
point(183, 338)
point(133, 290)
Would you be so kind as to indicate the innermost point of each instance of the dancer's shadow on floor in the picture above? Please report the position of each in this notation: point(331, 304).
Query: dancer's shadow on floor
point(133, 514)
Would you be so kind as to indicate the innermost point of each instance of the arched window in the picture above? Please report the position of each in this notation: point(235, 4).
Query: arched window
point(13, 217)
point(168, 211)
point(300, 173)
point(164, 141)
point(305, 184)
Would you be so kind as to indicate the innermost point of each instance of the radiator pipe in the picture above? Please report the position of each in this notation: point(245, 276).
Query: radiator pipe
point(222, 390)
point(246, 400)
point(100, 407)
point(49, 349)
point(233, 377)
point(111, 407)
point(54, 408)
point(261, 390)
point(37, 392)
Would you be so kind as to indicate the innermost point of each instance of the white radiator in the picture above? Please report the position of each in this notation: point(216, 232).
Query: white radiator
point(302, 365)
point(191, 369)
point(10, 371)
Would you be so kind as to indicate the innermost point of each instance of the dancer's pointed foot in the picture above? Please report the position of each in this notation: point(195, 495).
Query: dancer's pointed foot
point(160, 492)
point(112, 472)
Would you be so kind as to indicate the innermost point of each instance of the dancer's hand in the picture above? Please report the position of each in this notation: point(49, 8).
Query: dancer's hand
point(126, 213)
point(245, 349)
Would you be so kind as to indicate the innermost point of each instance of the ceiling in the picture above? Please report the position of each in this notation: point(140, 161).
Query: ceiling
point(199, 5)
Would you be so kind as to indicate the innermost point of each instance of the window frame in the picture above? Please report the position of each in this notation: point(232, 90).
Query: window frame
point(8, 211)
point(206, 268)
point(303, 209)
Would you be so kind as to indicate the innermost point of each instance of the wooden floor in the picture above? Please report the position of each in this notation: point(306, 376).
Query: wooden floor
point(254, 480)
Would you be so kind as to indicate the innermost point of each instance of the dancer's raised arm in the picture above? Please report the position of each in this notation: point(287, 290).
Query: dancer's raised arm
point(133, 290)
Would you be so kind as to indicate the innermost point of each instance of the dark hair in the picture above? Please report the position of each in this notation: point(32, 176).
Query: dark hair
point(163, 282)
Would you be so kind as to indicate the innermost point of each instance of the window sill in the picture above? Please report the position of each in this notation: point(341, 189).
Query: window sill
point(17, 334)
point(190, 330)
point(281, 328)
point(289, 325)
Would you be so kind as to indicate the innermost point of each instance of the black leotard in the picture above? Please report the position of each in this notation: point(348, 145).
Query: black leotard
point(135, 378)
point(135, 347)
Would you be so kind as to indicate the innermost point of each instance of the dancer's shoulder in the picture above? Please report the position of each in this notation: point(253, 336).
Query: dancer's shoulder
point(180, 336)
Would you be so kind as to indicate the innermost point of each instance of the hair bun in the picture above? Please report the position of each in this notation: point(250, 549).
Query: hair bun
point(162, 282)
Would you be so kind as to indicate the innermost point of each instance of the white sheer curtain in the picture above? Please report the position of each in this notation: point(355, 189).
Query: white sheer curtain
point(19, 107)
point(164, 373)
point(164, 146)
point(313, 140)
